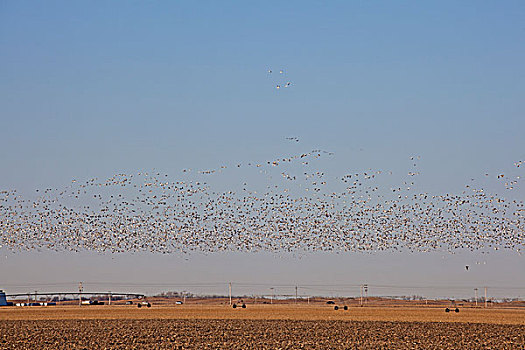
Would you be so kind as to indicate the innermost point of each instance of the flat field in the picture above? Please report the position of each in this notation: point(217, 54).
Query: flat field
point(259, 327)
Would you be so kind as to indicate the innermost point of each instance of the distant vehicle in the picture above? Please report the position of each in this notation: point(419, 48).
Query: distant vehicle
point(129, 302)
point(143, 303)
point(452, 307)
point(178, 302)
point(241, 304)
point(330, 302)
point(338, 307)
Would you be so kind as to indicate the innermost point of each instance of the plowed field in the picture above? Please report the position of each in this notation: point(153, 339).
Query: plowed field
point(259, 327)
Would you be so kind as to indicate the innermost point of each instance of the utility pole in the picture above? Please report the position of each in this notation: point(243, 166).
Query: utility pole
point(365, 288)
point(271, 296)
point(476, 296)
point(361, 295)
point(296, 294)
point(80, 289)
point(485, 297)
point(109, 297)
point(230, 291)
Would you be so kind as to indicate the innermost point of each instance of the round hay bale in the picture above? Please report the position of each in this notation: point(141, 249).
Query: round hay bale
point(447, 310)
point(345, 307)
point(336, 307)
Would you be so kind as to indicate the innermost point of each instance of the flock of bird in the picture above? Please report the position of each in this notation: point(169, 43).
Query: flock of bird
point(294, 207)
point(283, 84)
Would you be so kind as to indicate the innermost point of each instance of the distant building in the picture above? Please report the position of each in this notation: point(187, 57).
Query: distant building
point(3, 300)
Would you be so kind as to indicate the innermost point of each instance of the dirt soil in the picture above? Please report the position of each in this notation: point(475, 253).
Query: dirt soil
point(259, 327)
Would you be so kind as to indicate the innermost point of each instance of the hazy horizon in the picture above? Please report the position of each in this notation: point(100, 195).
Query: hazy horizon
point(91, 90)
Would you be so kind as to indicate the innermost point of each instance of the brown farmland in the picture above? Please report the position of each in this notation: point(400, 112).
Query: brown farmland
point(259, 327)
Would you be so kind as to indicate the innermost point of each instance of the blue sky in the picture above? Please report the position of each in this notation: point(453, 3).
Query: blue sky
point(90, 89)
